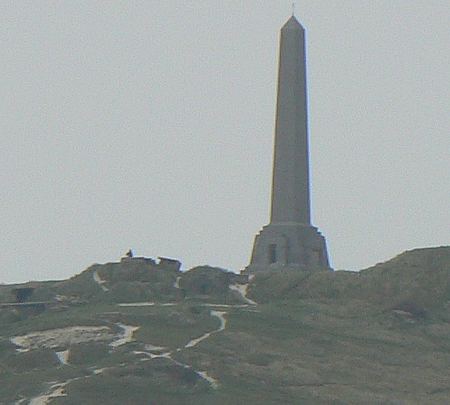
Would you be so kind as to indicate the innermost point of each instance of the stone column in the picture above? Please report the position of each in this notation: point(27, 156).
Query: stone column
point(289, 241)
point(290, 188)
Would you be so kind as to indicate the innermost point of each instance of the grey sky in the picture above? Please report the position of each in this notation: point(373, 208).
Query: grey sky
point(149, 124)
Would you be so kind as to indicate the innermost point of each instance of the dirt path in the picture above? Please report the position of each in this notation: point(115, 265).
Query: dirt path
point(99, 280)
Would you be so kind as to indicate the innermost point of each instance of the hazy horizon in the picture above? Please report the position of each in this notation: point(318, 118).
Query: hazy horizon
point(149, 125)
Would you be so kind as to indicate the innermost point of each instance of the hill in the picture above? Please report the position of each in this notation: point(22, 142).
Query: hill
point(139, 332)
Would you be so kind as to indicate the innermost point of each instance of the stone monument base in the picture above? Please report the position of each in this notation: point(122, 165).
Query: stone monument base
point(285, 246)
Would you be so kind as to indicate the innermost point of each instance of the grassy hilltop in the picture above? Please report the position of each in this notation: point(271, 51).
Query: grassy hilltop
point(137, 333)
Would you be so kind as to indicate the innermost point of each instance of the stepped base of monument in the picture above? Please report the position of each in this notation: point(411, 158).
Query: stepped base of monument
point(288, 246)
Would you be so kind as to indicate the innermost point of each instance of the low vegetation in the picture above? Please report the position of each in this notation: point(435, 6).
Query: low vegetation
point(377, 336)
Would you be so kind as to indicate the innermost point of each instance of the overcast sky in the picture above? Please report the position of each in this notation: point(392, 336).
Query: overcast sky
point(149, 124)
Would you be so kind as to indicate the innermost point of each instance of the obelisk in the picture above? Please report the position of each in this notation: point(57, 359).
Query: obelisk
point(289, 240)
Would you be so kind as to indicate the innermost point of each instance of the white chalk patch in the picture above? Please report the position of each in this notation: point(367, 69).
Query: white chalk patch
point(225, 305)
point(57, 391)
point(403, 313)
point(63, 357)
point(99, 370)
point(126, 336)
point(212, 381)
point(152, 348)
point(241, 289)
point(99, 280)
point(176, 284)
point(64, 337)
point(166, 355)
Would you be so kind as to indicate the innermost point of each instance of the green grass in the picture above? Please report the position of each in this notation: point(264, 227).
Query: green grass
point(381, 336)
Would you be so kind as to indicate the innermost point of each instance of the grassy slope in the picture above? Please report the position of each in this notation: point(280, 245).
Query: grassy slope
point(380, 336)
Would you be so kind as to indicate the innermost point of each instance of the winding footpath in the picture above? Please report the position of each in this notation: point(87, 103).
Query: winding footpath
point(150, 352)
point(157, 352)
point(241, 289)
point(126, 336)
point(223, 323)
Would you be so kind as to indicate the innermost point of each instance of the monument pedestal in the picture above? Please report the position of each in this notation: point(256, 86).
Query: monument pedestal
point(285, 246)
